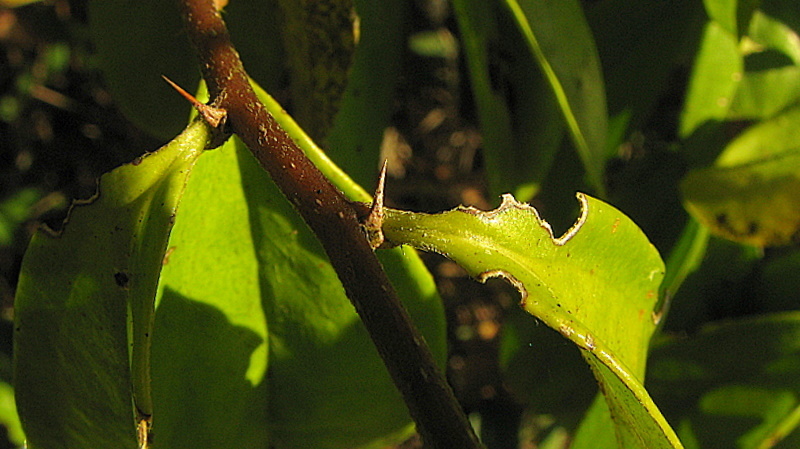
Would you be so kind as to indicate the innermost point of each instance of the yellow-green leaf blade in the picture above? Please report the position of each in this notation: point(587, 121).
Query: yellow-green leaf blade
point(75, 383)
point(750, 194)
point(597, 285)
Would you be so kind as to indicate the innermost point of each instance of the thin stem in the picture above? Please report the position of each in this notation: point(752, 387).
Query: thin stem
point(334, 220)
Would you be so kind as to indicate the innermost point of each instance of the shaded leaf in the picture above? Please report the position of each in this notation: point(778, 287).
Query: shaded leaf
point(684, 259)
point(73, 370)
point(521, 124)
point(144, 40)
point(319, 39)
point(354, 141)
point(641, 44)
point(561, 42)
point(15, 210)
point(716, 400)
point(597, 285)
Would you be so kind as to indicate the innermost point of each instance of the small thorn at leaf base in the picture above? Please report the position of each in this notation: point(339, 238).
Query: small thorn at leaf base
point(374, 222)
point(215, 117)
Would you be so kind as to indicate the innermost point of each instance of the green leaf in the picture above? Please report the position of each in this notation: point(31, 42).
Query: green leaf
point(520, 120)
point(772, 80)
point(323, 347)
point(144, 40)
point(248, 282)
point(715, 77)
point(733, 384)
point(15, 210)
point(597, 285)
point(9, 418)
point(641, 44)
point(684, 259)
point(210, 335)
point(74, 375)
point(319, 39)
point(750, 194)
point(732, 15)
point(561, 41)
point(354, 141)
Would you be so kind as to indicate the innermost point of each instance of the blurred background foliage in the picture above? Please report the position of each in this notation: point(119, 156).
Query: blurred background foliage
point(696, 105)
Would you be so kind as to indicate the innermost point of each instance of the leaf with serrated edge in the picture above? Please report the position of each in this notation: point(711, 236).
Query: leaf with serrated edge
point(73, 375)
point(597, 285)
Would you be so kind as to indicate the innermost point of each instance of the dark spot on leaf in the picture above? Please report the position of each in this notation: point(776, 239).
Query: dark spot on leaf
point(721, 219)
point(121, 278)
point(795, 238)
point(752, 229)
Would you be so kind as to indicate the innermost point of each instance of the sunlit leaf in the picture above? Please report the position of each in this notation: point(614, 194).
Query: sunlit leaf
point(9, 418)
point(210, 344)
point(750, 194)
point(732, 15)
point(597, 285)
point(771, 81)
point(250, 283)
point(73, 369)
point(716, 75)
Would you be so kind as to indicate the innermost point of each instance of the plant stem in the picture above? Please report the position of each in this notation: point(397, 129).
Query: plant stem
point(334, 220)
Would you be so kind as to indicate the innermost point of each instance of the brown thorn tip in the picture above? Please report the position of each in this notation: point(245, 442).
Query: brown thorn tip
point(374, 221)
point(215, 117)
point(377, 199)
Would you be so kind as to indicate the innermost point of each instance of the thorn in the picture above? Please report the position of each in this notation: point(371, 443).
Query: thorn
point(215, 117)
point(374, 221)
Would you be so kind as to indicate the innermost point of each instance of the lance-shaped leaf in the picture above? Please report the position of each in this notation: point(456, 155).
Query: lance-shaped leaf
point(560, 40)
point(597, 285)
point(368, 101)
point(521, 124)
point(73, 373)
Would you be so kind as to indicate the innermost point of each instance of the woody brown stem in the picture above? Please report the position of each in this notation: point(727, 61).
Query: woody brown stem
point(333, 219)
